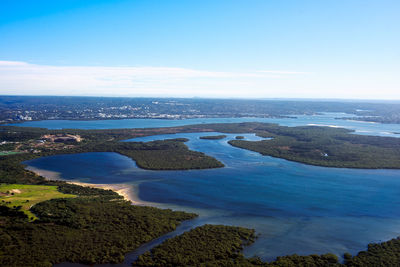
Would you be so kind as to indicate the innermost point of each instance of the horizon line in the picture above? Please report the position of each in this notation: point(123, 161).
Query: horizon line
point(214, 98)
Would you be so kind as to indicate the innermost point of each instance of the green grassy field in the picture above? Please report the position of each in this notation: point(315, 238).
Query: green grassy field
point(28, 195)
point(6, 153)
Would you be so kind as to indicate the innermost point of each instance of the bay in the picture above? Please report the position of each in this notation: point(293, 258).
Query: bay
point(295, 208)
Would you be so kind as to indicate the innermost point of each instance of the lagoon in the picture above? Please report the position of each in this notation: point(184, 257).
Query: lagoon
point(295, 208)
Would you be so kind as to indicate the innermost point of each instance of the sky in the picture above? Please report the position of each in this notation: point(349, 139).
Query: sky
point(345, 49)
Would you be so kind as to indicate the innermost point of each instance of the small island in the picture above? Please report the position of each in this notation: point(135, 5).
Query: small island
point(169, 154)
point(213, 137)
point(325, 146)
point(239, 137)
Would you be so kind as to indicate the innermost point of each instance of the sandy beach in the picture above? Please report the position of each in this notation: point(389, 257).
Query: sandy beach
point(128, 191)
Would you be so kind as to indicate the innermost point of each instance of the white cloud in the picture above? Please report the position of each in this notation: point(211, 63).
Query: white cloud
point(283, 72)
point(21, 78)
point(24, 78)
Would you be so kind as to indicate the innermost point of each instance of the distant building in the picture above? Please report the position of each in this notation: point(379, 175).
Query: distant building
point(62, 138)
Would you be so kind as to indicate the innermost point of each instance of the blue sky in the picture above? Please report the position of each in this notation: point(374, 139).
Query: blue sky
point(247, 48)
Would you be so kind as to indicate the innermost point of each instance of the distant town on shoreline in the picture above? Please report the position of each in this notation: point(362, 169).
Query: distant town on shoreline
point(27, 108)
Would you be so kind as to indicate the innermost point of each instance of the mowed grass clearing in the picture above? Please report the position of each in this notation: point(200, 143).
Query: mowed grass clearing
point(6, 153)
point(28, 195)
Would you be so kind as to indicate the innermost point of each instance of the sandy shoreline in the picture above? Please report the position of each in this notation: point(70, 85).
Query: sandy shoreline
point(128, 191)
point(125, 190)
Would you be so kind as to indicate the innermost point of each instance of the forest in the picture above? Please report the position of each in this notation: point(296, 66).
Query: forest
point(325, 146)
point(219, 245)
point(207, 245)
point(170, 154)
point(92, 228)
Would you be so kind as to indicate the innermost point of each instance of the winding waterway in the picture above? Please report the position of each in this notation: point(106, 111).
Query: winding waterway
point(295, 208)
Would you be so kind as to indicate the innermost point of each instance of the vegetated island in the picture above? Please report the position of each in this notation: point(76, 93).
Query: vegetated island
point(391, 118)
point(213, 137)
point(239, 137)
point(325, 146)
point(169, 154)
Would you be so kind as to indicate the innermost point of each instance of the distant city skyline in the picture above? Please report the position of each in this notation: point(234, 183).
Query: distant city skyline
point(212, 49)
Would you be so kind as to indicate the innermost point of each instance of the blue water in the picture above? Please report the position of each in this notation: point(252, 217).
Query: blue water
point(327, 119)
point(295, 208)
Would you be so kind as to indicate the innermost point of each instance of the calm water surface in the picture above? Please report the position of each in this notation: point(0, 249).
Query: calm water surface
point(326, 119)
point(295, 208)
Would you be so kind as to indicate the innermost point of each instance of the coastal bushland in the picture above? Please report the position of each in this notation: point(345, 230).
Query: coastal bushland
point(325, 146)
point(219, 245)
point(88, 229)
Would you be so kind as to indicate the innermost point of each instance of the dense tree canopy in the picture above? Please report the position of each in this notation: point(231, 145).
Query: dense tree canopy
point(92, 229)
point(208, 245)
point(218, 245)
point(326, 146)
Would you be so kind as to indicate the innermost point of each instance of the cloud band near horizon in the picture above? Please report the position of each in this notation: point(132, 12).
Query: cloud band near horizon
point(22, 78)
